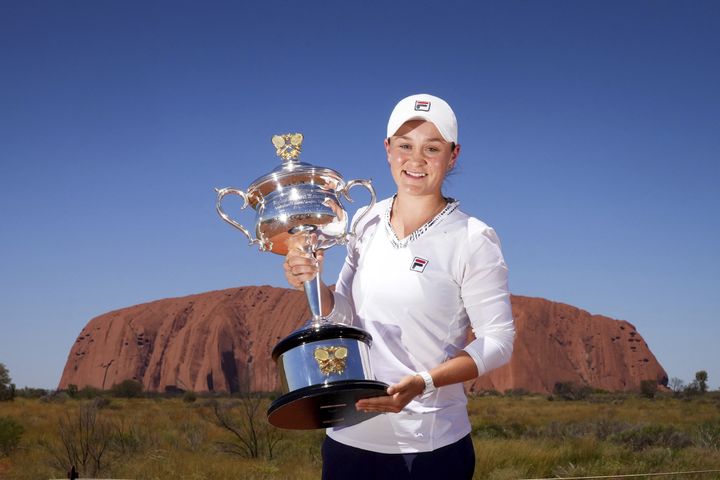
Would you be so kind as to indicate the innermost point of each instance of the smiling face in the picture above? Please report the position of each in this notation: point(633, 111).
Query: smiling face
point(420, 158)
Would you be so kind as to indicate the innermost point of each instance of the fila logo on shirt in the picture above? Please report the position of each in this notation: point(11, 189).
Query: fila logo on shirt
point(422, 106)
point(418, 264)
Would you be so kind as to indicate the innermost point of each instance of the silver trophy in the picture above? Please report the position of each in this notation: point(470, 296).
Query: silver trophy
point(324, 367)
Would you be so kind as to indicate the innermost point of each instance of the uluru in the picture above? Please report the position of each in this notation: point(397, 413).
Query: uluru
point(221, 341)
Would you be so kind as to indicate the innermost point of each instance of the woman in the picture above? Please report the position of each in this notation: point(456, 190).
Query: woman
point(418, 273)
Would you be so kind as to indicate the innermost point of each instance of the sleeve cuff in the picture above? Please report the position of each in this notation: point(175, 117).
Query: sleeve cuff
point(477, 357)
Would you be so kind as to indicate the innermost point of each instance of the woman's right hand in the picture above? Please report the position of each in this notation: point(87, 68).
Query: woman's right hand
point(301, 266)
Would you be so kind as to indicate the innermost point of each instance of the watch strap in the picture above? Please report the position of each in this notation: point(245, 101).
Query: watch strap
point(429, 385)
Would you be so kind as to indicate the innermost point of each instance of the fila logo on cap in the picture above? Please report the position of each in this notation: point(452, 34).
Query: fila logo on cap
point(418, 264)
point(422, 106)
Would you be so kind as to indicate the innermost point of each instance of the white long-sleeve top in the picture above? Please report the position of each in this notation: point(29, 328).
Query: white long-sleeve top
point(416, 297)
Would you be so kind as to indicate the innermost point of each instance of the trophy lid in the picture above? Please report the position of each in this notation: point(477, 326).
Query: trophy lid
point(292, 171)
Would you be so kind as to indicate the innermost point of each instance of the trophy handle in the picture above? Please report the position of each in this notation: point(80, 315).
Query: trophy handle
point(218, 206)
point(368, 185)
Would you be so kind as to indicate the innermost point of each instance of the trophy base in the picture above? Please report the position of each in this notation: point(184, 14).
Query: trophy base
point(322, 406)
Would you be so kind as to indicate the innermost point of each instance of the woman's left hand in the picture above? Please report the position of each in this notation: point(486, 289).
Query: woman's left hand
point(399, 395)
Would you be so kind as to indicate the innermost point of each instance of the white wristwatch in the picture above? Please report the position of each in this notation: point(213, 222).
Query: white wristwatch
point(429, 385)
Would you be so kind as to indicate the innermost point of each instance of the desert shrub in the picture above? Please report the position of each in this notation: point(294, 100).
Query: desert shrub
point(133, 436)
point(89, 392)
point(646, 436)
point(495, 430)
point(127, 389)
point(489, 393)
point(194, 435)
point(10, 433)
point(516, 392)
point(571, 391)
point(125, 438)
point(604, 429)
point(189, 397)
point(72, 390)
point(55, 397)
point(101, 402)
point(29, 392)
point(559, 430)
point(614, 398)
point(707, 435)
point(691, 389)
point(648, 388)
point(488, 431)
point(599, 429)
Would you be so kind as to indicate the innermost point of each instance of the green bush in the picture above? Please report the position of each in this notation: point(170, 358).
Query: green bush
point(127, 389)
point(516, 392)
point(72, 390)
point(571, 391)
point(90, 393)
point(10, 433)
point(648, 388)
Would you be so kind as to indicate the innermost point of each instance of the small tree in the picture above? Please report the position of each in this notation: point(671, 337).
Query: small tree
point(692, 388)
point(676, 385)
point(85, 439)
point(239, 418)
point(253, 436)
point(243, 417)
point(7, 389)
point(701, 378)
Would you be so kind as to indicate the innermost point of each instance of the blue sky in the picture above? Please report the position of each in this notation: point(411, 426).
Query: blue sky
point(590, 134)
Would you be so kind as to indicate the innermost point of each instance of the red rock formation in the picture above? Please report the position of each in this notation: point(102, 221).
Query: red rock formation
point(217, 340)
point(556, 342)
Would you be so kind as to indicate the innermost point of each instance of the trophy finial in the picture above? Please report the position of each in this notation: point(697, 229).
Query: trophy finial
point(288, 146)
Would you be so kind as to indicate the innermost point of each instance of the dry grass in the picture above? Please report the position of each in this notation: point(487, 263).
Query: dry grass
point(514, 437)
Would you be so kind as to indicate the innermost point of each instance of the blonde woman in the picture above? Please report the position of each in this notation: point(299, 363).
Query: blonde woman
point(418, 273)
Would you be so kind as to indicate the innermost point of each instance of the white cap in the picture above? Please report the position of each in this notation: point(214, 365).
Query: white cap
point(424, 107)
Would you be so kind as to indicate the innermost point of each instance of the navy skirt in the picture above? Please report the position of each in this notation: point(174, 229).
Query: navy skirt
point(453, 462)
